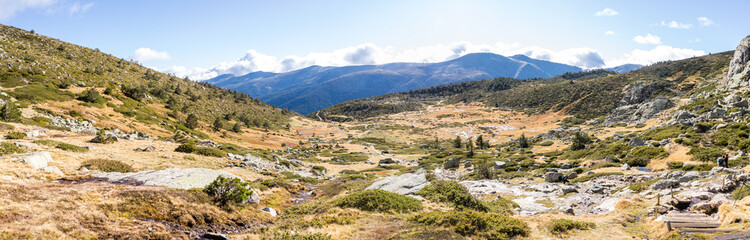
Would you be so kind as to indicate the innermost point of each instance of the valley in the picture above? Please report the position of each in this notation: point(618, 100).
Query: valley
point(96, 147)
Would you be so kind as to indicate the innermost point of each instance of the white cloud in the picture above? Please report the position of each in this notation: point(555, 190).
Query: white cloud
point(676, 25)
point(648, 39)
point(148, 54)
point(609, 33)
point(657, 54)
point(705, 21)
point(9, 8)
point(77, 7)
point(606, 12)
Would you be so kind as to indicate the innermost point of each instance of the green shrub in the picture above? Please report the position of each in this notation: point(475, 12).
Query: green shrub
point(741, 192)
point(664, 133)
point(377, 200)
point(71, 147)
point(186, 148)
point(642, 186)
point(91, 96)
point(699, 167)
point(10, 113)
point(605, 165)
point(228, 190)
point(649, 152)
point(452, 192)
point(9, 148)
point(502, 206)
point(637, 161)
point(546, 143)
point(705, 154)
point(286, 235)
point(593, 176)
point(210, 151)
point(473, 223)
point(674, 164)
point(106, 165)
point(560, 226)
point(15, 135)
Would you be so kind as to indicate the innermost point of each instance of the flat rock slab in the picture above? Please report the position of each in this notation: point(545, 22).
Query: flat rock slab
point(170, 177)
point(405, 184)
point(36, 160)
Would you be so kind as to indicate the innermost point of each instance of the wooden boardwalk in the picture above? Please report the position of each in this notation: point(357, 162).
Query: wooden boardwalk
point(690, 220)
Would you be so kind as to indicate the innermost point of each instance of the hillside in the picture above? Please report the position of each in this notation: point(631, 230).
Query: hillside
point(313, 88)
point(585, 95)
point(52, 76)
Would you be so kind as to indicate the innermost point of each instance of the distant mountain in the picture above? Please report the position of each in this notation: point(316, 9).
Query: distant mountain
point(314, 88)
point(625, 68)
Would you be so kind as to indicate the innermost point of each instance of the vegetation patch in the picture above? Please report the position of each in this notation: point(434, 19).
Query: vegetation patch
point(106, 165)
point(210, 151)
point(15, 135)
point(9, 148)
point(376, 200)
point(228, 190)
point(452, 192)
point(560, 226)
point(705, 154)
point(473, 223)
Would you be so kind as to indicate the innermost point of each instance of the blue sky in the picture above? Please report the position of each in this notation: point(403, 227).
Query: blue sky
point(206, 38)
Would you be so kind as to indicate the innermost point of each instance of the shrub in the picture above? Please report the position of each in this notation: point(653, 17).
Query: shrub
point(502, 206)
point(377, 200)
point(637, 161)
point(664, 133)
point(15, 135)
point(10, 113)
point(285, 235)
point(452, 192)
point(91, 96)
point(741, 192)
point(580, 140)
point(71, 147)
point(560, 226)
point(649, 152)
point(473, 223)
point(228, 190)
point(186, 148)
point(210, 151)
point(593, 176)
point(674, 165)
point(9, 148)
point(642, 186)
point(705, 154)
point(546, 143)
point(604, 165)
point(106, 165)
point(484, 169)
point(699, 167)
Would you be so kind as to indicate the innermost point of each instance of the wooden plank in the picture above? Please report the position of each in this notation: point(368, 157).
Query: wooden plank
point(733, 236)
point(706, 230)
point(679, 219)
point(694, 225)
point(687, 215)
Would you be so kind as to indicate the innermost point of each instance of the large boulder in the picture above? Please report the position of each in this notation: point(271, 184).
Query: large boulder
point(171, 177)
point(452, 163)
point(665, 184)
point(36, 160)
point(500, 165)
point(405, 184)
point(689, 176)
point(739, 65)
point(553, 177)
point(637, 142)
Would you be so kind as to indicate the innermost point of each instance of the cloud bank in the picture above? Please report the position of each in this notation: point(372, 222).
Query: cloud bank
point(606, 12)
point(148, 54)
point(9, 8)
point(648, 39)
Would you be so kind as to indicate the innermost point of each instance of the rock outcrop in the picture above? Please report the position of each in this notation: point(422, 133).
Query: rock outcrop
point(170, 177)
point(737, 76)
point(405, 184)
point(638, 105)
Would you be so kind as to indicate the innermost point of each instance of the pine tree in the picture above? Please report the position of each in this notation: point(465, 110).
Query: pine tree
point(470, 146)
point(10, 113)
point(523, 142)
point(218, 124)
point(237, 128)
point(579, 141)
point(192, 121)
point(480, 142)
point(457, 142)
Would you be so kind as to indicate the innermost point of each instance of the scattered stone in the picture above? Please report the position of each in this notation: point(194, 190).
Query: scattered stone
point(386, 161)
point(34, 133)
point(596, 188)
point(625, 167)
point(36, 160)
point(171, 177)
point(269, 211)
point(26, 144)
point(214, 236)
point(689, 176)
point(565, 166)
point(451, 163)
point(665, 184)
point(146, 149)
point(500, 165)
point(553, 177)
point(567, 189)
point(636, 142)
point(53, 169)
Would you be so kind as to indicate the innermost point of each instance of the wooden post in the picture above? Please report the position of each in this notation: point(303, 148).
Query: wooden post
point(658, 199)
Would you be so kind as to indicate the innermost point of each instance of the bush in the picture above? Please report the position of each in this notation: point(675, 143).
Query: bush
point(637, 161)
point(71, 147)
point(473, 223)
point(9, 148)
point(10, 113)
point(741, 192)
point(580, 140)
point(675, 165)
point(649, 152)
point(502, 206)
point(186, 148)
point(377, 200)
point(228, 190)
point(91, 96)
point(604, 165)
point(546, 143)
point(452, 192)
point(705, 154)
point(106, 165)
point(15, 135)
point(296, 236)
point(642, 186)
point(210, 151)
point(560, 226)
point(699, 167)
point(593, 176)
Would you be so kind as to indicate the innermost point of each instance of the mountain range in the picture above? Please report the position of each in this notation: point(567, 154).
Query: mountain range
point(313, 88)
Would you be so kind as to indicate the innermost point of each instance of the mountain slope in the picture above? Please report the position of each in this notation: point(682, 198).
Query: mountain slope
point(49, 74)
point(585, 95)
point(313, 88)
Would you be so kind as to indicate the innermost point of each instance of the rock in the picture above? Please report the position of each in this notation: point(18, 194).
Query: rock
point(500, 165)
point(572, 175)
point(596, 188)
point(716, 113)
point(34, 133)
point(568, 210)
point(716, 170)
point(665, 184)
point(36, 160)
point(680, 203)
point(636, 142)
point(269, 211)
point(553, 177)
point(146, 149)
point(387, 161)
point(53, 169)
point(171, 177)
point(451, 163)
point(664, 142)
point(107, 139)
point(689, 176)
point(26, 144)
point(214, 236)
point(565, 166)
point(405, 184)
point(739, 154)
point(618, 136)
point(567, 189)
point(625, 167)
point(467, 164)
point(703, 207)
point(658, 210)
point(739, 65)
point(675, 175)
point(683, 117)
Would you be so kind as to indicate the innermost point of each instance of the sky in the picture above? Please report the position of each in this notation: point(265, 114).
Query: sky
point(204, 39)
